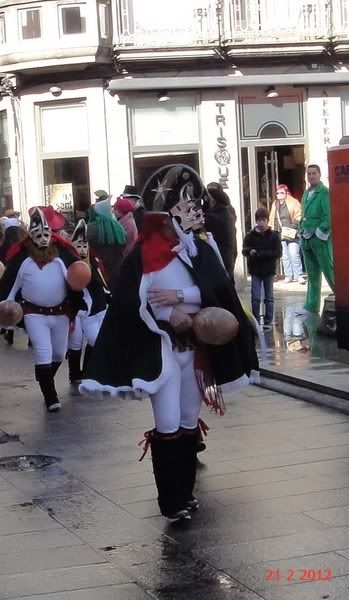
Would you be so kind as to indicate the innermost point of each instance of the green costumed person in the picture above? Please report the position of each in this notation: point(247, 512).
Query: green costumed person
point(315, 233)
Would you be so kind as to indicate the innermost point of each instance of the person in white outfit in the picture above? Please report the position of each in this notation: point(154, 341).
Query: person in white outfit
point(36, 277)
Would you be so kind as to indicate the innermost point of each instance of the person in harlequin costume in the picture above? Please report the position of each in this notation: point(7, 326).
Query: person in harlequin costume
point(87, 326)
point(315, 232)
point(146, 343)
point(36, 277)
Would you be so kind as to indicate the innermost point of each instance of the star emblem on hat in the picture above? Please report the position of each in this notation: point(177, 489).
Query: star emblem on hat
point(161, 189)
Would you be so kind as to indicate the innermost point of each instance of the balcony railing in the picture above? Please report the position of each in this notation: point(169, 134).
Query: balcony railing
point(185, 23)
point(340, 19)
point(163, 23)
point(275, 20)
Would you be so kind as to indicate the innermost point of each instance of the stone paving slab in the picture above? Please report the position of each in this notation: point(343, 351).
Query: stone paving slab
point(273, 489)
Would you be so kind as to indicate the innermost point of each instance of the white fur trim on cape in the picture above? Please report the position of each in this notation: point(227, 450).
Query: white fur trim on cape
point(89, 387)
point(233, 386)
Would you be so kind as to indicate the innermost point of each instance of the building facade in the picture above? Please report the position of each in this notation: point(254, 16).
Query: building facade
point(98, 94)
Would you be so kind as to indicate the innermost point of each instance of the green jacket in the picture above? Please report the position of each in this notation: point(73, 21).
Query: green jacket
point(316, 211)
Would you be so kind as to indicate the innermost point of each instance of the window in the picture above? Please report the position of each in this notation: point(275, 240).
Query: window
point(30, 23)
point(105, 20)
point(64, 156)
point(261, 117)
point(5, 166)
point(2, 29)
point(73, 19)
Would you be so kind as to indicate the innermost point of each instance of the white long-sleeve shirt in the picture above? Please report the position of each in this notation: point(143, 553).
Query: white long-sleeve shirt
point(176, 276)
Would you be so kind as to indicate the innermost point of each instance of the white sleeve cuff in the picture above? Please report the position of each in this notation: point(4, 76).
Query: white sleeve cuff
point(162, 313)
point(192, 295)
point(321, 235)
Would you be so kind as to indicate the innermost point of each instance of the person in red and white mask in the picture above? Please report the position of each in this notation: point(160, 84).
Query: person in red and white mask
point(36, 277)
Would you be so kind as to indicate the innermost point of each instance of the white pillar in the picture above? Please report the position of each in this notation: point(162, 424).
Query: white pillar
point(220, 156)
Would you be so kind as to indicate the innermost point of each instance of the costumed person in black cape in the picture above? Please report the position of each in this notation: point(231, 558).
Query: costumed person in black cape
point(13, 233)
point(36, 277)
point(146, 342)
point(87, 326)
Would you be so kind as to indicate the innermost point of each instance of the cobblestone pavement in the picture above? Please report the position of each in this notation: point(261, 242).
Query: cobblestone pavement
point(273, 487)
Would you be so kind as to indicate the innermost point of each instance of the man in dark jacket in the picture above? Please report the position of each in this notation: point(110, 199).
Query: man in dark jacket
point(220, 220)
point(262, 247)
point(130, 192)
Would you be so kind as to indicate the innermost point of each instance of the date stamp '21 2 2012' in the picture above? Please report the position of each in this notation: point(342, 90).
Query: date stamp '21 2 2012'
point(299, 575)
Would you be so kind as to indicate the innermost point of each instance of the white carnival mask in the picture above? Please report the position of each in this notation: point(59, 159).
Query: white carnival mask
point(190, 216)
point(39, 230)
point(79, 239)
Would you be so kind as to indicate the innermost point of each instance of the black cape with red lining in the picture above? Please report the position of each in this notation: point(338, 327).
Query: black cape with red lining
point(126, 349)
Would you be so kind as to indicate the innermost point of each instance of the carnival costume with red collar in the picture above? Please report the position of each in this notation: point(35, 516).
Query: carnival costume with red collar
point(87, 325)
point(35, 276)
point(138, 349)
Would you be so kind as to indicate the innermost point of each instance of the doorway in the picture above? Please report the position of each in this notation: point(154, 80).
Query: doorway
point(279, 165)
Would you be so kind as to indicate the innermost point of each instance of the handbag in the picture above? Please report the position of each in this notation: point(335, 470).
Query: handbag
point(288, 234)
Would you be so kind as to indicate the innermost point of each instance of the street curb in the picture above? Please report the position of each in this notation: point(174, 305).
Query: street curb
point(308, 391)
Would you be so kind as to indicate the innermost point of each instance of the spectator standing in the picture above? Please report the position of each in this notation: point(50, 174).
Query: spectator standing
point(285, 216)
point(315, 231)
point(220, 220)
point(123, 210)
point(262, 247)
point(130, 192)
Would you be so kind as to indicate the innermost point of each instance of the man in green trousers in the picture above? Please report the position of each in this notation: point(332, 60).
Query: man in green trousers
point(315, 234)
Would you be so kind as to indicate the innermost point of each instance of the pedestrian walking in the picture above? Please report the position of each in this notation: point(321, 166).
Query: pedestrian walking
point(315, 231)
point(262, 247)
point(285, 216)
point(146, 343)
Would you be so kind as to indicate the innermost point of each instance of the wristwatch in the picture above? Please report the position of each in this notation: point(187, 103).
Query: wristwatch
point(180, 295)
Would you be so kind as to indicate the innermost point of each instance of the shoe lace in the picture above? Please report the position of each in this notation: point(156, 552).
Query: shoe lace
point(146, 443)
point(204, 428)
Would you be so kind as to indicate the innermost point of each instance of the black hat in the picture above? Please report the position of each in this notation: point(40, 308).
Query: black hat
point(171, 184)
point(130, 191)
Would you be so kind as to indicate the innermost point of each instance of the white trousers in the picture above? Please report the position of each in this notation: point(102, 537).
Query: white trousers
point(86, 328)
point(49, 337)
point(178, 402)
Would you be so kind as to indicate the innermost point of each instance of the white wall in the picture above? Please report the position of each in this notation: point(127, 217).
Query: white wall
point(324, 124)
point(210, 131)
point(98, 154)
point(118, 145)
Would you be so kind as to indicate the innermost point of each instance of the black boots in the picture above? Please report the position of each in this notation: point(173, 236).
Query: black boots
point(44, 374)
point(75, 373)
point(174, 465)
point(87, 355)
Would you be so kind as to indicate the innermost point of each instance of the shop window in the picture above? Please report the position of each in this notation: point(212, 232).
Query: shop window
point(159, 123)
point(30, 23)
point(105, 20)
point(66, 182)
point(73, 19)
point(144, 166)
point(65, 157)
point(282, 116)
point(2, 29)
point(5, 166)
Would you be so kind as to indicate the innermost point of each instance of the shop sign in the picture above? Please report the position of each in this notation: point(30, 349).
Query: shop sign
point(222, 156)
point(60, 196)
